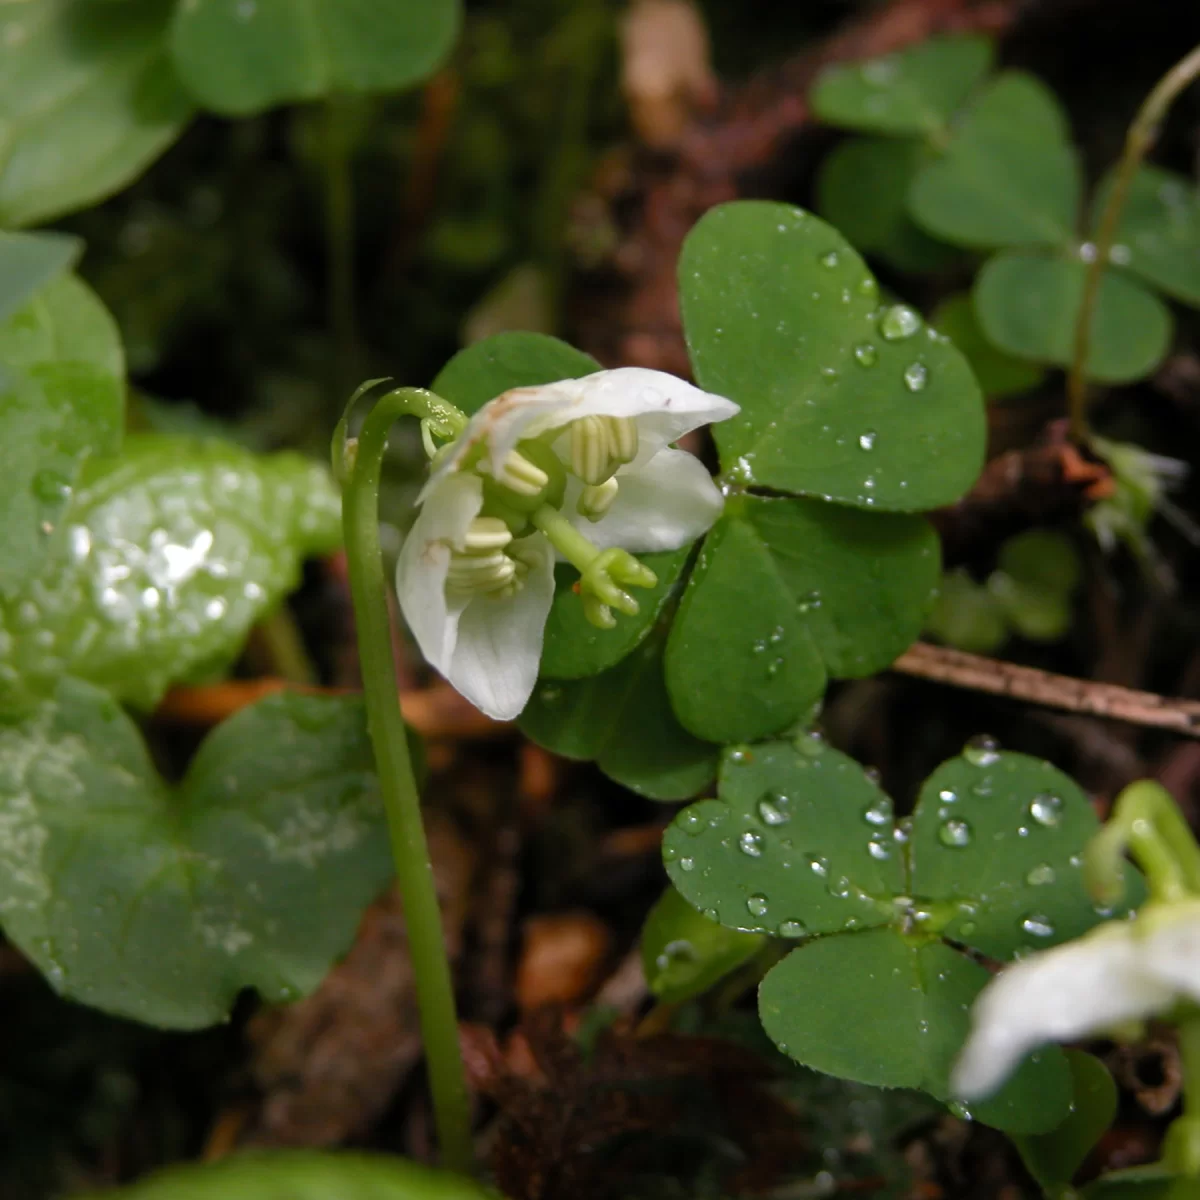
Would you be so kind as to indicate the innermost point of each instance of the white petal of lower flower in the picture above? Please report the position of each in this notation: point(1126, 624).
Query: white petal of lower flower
point(1078, 988)
point(1170, 945)
point(499, 642)
point(663, 505)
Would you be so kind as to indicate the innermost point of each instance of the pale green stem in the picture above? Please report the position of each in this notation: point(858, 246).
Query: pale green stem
point(565, 538)
point(1181, 1146)
point(1140, 137)
point(362, 464)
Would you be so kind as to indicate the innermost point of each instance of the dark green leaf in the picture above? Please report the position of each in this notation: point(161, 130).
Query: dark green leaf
point(487, 369)
point(622, 719)
point(162, 905)
point(1028, 305)
point(840, 399)
point(884, 1009)
point(800, 842)
point(684, 953)
point(88, 100)
point(243, 56)
point(29, 261)
point(304, 1175)
point(1009, 176)
point(1143, 1183)
point(1053, 1158)
point(172, 551)
point(862, 191)
point(65, 401)
point(813, 590)
point(999, 839)
point(999, 374)
point(914, 91)
point(574, 648)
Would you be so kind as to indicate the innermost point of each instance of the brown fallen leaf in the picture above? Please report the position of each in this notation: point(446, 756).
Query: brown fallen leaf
point(562, 959)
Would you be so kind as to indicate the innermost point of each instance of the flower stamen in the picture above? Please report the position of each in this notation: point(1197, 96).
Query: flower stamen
point(596, 500)
point(600, 445)
point(518, 474)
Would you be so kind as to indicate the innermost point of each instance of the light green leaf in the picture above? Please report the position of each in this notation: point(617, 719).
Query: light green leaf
point(486, 369)
point(29, 261)
point(999, 374)
point(243, 56)
point(862, 191)
point(879, 1008)
point(800, 842)
point(162, 905)
point(1158, 235)
point(1037, 574)
point(913, 91)
point(64, 401)
point(966, 615)
point(88, 100)
point(1009, 176)
point(840, 399)
point(1053, 1158)
point(171, 552)
point(684, 953)
point(997, 838)
point(1028, 305)
point(813, 590)
point(304, 1175)
point(622, 719)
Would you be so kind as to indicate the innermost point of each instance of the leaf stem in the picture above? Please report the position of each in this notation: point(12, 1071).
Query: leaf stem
point(1141, 136)
point(410, 851)
point(1181, 1146)
point(565, 538)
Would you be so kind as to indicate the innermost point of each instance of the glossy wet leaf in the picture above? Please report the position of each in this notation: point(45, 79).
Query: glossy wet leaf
point(88, 99)
point(1158, 236)
point(882, 1009)
point(999, 840)
point(684, 953)
point(913, 91)
point(788, 592)
point(862, 191)
point(162, 904)
point(999, 374)
point(841, 399)
point(1009, 175)
point(488, 368)
point(243, 56)
point(1053, 1158)
point(62, 399)
point(574, 648)
point(170, 553)
point(800, 841)
point(29, 261)
point(1028, 304)
point(622, 719)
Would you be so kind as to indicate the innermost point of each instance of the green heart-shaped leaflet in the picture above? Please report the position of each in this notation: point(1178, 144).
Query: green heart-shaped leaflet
point(242, 56)
point(29, 261)
point(162, 904)
point(999, 374)
point(88, 99)
point(841, 399)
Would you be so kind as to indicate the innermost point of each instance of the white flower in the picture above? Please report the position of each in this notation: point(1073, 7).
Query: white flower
point(475, 578)
point(1124, 971)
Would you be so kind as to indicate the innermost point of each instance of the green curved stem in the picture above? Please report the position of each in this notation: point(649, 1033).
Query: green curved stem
point(1146, 821)
point(1181, 1146)
point(1141, 136)
point(362, 465)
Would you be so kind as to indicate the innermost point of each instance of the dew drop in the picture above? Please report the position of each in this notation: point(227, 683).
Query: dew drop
point(1037, 925)
point(670, 854)
point(691, 822)
point(772, 809)
point(866, 441)
point(865, 354)
point(738, 757)
point(829, 260)
point(878, 849)
point(829, 372)
point(819, 866)
point(1046, 809)
point(868, 287)
point(899, 322)
point(872, 775)
point(757, 905)
point(954, 833)
point(687, 864)
point(811, 744)
point(792, 929)
point(916, 376)
point(879, 812)
point(679, 951)
point(1121, 255)
point(982, 750)
point(948, 796)
point(710, 914)
point(751, 843)
point(1043, 873)
point(839, 887)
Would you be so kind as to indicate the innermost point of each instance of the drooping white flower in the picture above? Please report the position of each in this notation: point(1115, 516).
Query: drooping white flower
point(475, 578)
point(1124, 971)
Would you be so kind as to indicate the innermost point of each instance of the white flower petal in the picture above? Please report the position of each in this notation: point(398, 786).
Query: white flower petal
point(1170, 946)
point(424, 560)
point(499, 647)
point(663, 505)
point(1078, 988)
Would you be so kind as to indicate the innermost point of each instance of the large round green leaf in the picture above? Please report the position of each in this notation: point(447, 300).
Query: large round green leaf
point(171, 552)
point(162, 905)
point(242, 56)
point(62, 398)
point(622, 719)
point(88, 99)
point(813, 590)
point(999, 374)
point(1009, 176)
point(800, 842)
point(1028, 305)
point(1158, 236)
point(304, 1175)
point(841, 399)
point(913, 91)
point(884, 1009)
point(29, 261)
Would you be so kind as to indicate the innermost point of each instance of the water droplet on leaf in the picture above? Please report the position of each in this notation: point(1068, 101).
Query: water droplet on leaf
point(772, 809)
point(865, 354)
point(866, 441)
point(751, 843)
point(954, 833)
point(982, 750)
point(1037, 925)
point(899, 322)
point(757, 905)
point(1046, 809)
point(916, 376)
